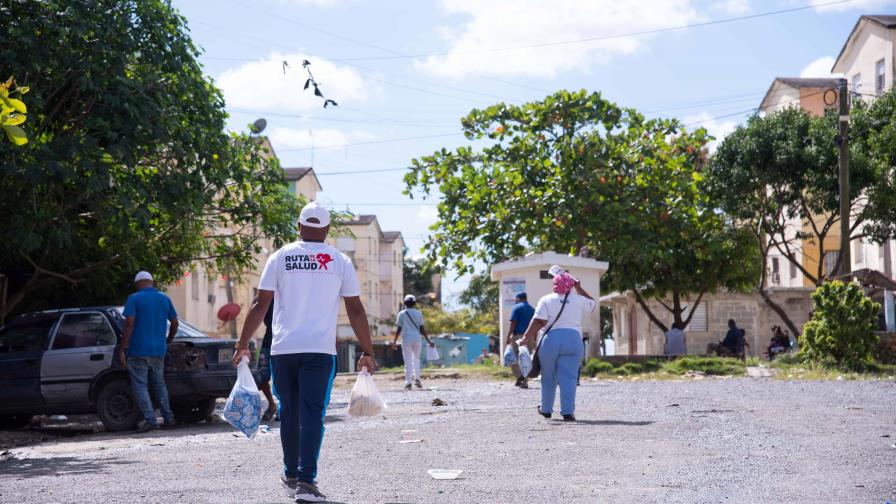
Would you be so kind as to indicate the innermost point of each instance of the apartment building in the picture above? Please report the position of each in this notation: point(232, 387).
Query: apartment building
point(867, 61)
point(378, 256)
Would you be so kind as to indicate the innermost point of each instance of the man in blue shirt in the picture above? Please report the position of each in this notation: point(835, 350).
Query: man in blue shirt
point(520, 317)
point(143, 348)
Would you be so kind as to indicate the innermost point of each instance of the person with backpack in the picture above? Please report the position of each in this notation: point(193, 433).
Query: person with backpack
point(409, 325)
point(560, 350)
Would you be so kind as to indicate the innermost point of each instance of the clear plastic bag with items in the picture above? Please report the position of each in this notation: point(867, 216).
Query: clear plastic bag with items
point(525, 360)
point(243, 408)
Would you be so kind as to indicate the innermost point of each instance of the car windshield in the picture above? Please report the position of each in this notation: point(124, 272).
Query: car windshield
point(26, 335)
point(185, 330)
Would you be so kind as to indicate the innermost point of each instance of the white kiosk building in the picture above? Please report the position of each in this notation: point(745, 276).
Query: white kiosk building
point(529, 274)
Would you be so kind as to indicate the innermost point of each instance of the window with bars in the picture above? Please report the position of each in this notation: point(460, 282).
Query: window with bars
point(699, 322)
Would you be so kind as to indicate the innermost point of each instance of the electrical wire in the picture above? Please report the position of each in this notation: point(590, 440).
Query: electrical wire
point(589, 39)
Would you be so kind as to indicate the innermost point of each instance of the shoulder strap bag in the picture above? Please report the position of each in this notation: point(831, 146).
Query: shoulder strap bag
point(536, 361)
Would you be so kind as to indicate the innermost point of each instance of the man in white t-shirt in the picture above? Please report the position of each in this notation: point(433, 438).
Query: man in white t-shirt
point(305, 280)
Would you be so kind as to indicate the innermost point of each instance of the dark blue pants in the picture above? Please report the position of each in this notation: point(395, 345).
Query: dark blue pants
point(304, 381)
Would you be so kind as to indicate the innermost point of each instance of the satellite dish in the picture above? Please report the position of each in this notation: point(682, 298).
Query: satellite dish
point(259, 126)
point(228, 312)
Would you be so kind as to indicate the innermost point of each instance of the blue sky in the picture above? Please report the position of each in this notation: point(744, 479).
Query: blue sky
point(393, 108)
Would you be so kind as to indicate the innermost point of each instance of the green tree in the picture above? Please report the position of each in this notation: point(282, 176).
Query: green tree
point(128, 166)
point(439, 320)
point(13, 112)
point(481, 295)
point(418, 276)
point(576, 171)
point(841, 330)
point(777, 175)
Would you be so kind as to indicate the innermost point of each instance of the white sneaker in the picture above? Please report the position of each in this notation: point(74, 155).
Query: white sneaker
point(289, 486)
point(307, 492)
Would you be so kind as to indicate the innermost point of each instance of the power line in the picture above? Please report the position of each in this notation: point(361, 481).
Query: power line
point(372, 46)
point(372, 142)
point(597, 38)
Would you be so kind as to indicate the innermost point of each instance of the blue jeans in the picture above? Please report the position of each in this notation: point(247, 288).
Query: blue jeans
point(149, 372)
point(560, 354)
point(304, 382)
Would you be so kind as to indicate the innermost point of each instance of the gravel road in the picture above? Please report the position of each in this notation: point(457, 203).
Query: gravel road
point(690, 441)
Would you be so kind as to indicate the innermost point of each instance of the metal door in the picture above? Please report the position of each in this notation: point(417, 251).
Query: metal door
point(82, 347)
point(22, 344)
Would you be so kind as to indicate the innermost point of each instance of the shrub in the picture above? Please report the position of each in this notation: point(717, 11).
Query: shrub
point(597, 366)
point(708, 365)
point(841, 330)
point(629, 368)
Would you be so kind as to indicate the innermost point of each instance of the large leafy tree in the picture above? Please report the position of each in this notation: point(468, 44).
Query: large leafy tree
point(128, 166)
point(778, 176)
point(575, 172)
point(481, 294)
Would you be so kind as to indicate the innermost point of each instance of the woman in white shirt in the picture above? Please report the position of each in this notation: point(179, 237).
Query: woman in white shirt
point(560, 350)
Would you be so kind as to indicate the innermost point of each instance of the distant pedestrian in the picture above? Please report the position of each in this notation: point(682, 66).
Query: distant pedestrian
point(264, 366)
point(520, 316)
point(676, 341)
point(729, 346)
point(560, 350)
point(305, 280)
point(410, 327)
point(147, 312)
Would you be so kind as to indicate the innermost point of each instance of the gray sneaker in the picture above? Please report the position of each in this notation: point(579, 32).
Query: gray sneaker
point(146, 427)
point(289, 486)
point(307, 492)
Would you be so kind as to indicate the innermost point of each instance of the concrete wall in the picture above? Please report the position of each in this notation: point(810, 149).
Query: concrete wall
point(748, 310)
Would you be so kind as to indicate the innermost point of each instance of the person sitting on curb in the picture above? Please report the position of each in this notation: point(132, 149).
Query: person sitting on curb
point(729, 346)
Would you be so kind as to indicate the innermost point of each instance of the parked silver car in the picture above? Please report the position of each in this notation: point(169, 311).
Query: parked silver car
point(63, 362)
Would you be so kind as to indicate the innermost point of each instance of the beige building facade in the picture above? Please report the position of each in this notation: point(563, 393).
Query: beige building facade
point(199, 295)
point(379, 257)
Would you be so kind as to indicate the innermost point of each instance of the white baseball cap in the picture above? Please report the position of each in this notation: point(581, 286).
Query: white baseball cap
point(143, 275)
point(315, 210)
point(410, 297)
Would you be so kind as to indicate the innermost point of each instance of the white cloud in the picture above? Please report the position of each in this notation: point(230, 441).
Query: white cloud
point(263, 86)
point(427, 215)
point(716, 128)
point(291, 138)
point(863, 5)
point(735, 7)
point(819, 68)
point(497, 24)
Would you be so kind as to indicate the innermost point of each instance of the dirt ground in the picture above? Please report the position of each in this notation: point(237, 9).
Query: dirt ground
point(709, 440)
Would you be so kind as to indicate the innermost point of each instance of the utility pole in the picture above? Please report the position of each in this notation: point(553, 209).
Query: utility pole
point(845, 204)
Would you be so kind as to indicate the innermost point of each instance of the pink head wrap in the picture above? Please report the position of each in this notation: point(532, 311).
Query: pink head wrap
point(563, 283)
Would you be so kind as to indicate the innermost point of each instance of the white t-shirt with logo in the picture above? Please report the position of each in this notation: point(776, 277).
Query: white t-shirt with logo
point(308, 279)
point(576, 308)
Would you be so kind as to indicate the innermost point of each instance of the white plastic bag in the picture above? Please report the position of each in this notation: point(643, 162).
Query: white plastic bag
point(525, 360)
point(509, 356)
point(243, 408)
point(432, 354)
point(365, 399)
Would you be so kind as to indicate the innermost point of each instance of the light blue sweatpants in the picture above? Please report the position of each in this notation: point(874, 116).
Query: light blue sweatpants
point(560, 354)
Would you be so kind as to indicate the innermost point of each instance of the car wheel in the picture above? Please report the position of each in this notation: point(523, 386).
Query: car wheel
point(9, 422)
point(193, 411)
point(117, 406)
